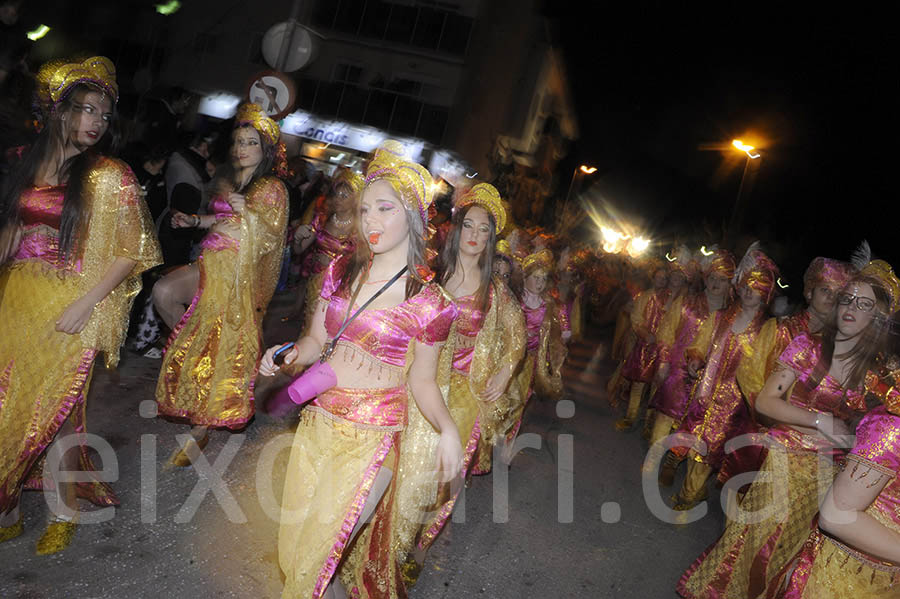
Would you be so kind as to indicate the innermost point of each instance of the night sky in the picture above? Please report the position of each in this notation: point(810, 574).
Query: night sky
point(816, 91)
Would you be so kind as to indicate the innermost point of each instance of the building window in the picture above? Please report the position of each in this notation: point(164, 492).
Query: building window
point(375, 20)
point(429, 25)
point(254, 51)
point(406, 115)
point(349, 15)
point(433, 123)
point(455, 38)
point(401, 25)
point(348, 73)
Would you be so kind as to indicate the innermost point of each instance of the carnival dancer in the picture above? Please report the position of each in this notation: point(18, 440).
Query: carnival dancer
point(646, 315)
point(86, 237)
point(347, 447)
point(677, 331)
point(855, 551)
point(823, 378)
point(822, 281)
point(630, 287)
point(487, 342)
point(330, 235)
point(547, 331)
point(213, 351)
point(718, 410)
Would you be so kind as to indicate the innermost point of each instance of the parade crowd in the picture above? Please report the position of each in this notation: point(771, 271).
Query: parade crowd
point(427, 327)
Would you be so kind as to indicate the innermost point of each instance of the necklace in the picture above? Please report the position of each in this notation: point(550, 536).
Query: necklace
point(383, 280)
point(341, 223)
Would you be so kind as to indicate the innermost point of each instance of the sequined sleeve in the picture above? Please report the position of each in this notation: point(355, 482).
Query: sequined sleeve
point(638, 313)
point(878, 442)
point(263, 228)
point(118, 225)
point(332, 277)
point(438, 318)
point(801, 355)
point(698, 349)
point(668, 328)
point(758, 361)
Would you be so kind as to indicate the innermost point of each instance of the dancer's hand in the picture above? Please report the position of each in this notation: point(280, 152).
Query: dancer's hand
point(268, 367)
point(832, 428)
point(180, 220)
point(496, 385)
point(449, 458)
point(693, 368)
point(237, 201)
point(76, 316)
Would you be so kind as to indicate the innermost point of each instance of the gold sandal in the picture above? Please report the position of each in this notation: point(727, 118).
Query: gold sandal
point(182, 458)
point(8, 533)
point(57, 536)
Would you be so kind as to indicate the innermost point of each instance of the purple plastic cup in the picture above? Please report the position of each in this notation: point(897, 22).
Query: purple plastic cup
point(317, 379)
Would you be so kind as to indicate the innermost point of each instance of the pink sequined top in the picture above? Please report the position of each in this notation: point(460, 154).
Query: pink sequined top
point(386, 334)
point(878, 446)
point(327, 244)
point(215, 240)
point(801, 356)
point(533, 319)
point(468, 325)
point(40, 209)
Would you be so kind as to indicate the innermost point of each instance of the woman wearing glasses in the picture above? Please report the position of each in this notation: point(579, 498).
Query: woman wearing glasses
point(822, 379)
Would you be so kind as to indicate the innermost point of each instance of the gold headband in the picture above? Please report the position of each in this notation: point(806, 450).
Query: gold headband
point(253, 115)
point(98, 71)
point(503, 248)
point(486, 196)
point(411, 180)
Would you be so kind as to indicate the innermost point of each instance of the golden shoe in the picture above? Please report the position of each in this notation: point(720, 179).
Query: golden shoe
point(182, 458)
point(410, 571)
point(7, 533)
point(58, 536)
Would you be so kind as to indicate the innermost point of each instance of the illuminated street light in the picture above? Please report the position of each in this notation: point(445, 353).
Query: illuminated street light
point(587, 170)
point(38, 33)
point(748, 150)
point(638, 246)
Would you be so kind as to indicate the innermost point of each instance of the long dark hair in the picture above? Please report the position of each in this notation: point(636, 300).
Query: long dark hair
point(872, 341)
point(450, 255)
point(52, 140)
point(228, 177)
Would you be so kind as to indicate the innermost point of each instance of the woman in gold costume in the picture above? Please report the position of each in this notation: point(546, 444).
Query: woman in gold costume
point(85, 237)
point(330, 234)
point(213, 352)
point(343, 504)
point(823, 379)
point(855, 551)
point(547, 330)
point(485, 346)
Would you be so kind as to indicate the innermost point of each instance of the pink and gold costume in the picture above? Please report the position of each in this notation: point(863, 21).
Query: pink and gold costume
point(826, 567)
point(213, 353)
point(747, 556)
point(646, 316)
point(344, 437)
point(481, 344)
point(45, 374)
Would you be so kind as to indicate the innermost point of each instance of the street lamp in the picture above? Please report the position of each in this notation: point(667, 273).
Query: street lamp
point(738, 208)
point(587, 170)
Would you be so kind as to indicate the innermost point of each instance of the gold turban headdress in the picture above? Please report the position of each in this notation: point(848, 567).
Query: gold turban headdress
point(879, 270)
point(832, 273)
point(254, 116)
point(411, 180)
point(542, 260)
point(56, 78)
point(486, 196)
point(721, 263)
point(503, 249)
point(681, 259)
point(347, 177)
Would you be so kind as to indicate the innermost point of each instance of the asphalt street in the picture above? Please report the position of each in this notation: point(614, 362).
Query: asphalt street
point(569, 519)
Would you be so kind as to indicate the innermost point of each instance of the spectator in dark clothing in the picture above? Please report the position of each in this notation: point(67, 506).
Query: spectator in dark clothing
point(186, 176)
point(148, 166)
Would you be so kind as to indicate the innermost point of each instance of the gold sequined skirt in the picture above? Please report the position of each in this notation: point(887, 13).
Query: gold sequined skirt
point(210, 363)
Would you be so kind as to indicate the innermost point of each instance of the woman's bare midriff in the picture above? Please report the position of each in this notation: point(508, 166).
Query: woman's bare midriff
point(357, 369)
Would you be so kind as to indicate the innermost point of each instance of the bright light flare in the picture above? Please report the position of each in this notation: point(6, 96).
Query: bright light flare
point(748, 150)
point(780, 284)
point(671, 258)
point(588, 170)
point(705, 251)
point(37, 33)
point(638, 245)
point(169, 8)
